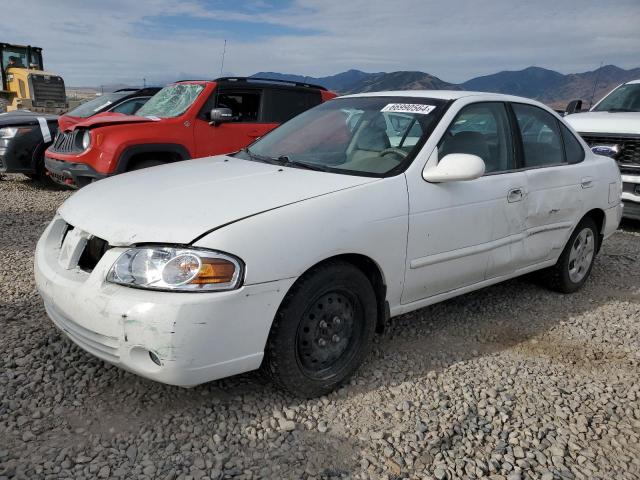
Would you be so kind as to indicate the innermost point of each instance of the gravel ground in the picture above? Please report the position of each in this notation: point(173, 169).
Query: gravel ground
point(511, 382)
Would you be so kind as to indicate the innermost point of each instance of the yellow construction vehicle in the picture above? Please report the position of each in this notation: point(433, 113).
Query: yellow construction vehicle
point(24, 83)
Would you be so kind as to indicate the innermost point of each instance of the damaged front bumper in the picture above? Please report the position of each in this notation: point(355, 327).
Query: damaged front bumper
point(175, 338)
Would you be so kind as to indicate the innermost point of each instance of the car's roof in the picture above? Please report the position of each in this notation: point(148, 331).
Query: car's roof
point(439, 94)
point(442, 95)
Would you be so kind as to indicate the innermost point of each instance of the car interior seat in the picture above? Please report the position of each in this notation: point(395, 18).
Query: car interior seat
point(472, 143)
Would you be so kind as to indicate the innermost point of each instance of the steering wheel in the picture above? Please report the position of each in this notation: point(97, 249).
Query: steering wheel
point(397, 151)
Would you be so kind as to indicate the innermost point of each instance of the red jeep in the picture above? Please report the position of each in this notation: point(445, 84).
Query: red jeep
point(188, 119)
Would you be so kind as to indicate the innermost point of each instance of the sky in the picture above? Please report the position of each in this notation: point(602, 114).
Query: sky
point(93, 42)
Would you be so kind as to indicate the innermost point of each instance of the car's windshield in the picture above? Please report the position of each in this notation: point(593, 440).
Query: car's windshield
point(625, 98)
point(93, 106)
point(171, 101)
point(358, 136)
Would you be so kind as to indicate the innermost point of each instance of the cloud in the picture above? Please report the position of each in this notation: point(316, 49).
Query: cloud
point(93, 43)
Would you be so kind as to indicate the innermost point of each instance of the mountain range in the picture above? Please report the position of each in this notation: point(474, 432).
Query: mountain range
point(548, 86)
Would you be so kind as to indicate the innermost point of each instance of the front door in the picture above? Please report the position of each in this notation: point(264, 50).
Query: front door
point(246, 126)
point(461, 233)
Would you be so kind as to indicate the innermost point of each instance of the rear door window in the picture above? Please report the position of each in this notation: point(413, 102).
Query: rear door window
point(541, 138)
point(281, 105)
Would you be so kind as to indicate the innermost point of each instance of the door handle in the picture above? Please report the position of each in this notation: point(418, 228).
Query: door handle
point(254, 134)
point(515, 195)
point(587, 182)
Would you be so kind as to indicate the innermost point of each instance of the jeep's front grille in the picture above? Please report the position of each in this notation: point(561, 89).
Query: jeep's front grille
point(47, 88)
point(629, 157)
point(65, 142)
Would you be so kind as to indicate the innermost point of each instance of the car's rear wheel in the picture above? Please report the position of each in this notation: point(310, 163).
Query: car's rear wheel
point(322, 331)
point(574, 266)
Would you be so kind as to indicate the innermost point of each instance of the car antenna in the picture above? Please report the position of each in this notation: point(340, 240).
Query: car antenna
point(595, 84)
point(217, 92)
point(224, 50)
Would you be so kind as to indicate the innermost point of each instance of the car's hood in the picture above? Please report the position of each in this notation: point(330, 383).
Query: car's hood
point(23, 117)
point(179, 202)
point(109, 118)
point(65, 122)
point(605, 122)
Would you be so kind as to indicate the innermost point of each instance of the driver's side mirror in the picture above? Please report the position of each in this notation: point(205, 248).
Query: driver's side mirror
point(455, 167)
point(220, 115)
point(574, 106)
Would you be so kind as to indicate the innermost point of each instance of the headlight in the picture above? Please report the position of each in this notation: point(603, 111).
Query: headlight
point(86, 140)
point(180, 269)
point(8, 132)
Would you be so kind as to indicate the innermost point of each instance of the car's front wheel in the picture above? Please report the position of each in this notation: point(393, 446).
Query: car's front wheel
point(574, 266)
point(322, 331)
point(40, 175)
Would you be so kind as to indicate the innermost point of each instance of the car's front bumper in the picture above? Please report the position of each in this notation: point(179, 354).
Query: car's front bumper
point(70, 174)
point(631, 196)
point(197, 337)
point(17, 153)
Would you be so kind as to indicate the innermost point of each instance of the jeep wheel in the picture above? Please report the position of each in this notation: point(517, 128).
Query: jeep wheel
point(322, 331)
point(574, 266)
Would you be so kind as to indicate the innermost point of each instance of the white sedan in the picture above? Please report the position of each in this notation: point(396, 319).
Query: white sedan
point(290, 254)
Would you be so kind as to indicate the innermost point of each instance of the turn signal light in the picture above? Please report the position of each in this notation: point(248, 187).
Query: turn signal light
point(215, 270)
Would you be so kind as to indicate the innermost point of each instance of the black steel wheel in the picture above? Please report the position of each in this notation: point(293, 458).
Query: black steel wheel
point(328, 334)
point(322, 331)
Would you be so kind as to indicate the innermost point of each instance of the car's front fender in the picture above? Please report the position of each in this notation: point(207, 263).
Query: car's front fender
point(369, 220)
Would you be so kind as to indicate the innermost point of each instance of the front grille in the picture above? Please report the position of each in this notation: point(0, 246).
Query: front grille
point(47, 88)
point(65, 142)
point(629, 157)
point(92, 253)
point(629, 188)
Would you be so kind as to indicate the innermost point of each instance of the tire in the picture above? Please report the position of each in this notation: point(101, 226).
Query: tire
point(322, 331)
point(146, 164)
point(40, 176)
point(574, 266)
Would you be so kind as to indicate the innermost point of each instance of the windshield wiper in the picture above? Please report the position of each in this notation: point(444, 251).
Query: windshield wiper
point(617, 110)
point(295, 163)
point(259, 158)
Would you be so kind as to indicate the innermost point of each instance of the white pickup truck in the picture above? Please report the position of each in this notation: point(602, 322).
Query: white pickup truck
point(612, 128)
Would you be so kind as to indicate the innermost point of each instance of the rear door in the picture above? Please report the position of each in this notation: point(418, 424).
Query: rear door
point(556, 178)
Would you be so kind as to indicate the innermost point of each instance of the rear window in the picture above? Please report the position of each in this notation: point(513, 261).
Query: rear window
point(96, 105)
point(572, 147)
point(282, 105)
